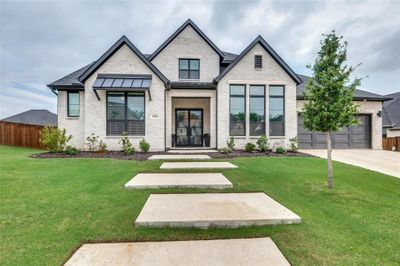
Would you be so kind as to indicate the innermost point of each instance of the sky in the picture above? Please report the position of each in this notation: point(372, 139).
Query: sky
point(42, 41)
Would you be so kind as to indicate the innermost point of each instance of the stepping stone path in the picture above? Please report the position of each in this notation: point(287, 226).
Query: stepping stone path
point(179, 157)
point(233, 252)
point(202, 210)
point(197, 165)
point(192, 180)
point(205, 210)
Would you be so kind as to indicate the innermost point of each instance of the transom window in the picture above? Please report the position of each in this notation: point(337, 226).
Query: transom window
point(237, 118)
point(276, 110)
point(73, 104)
point(257, 110)
point(125, 113)
point(189, 68)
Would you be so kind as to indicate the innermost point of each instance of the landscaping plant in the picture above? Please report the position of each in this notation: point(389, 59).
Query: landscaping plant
point(54, 138)
point(71, 150)
point(263, 143)
point(127, 147)
point(231, 143)
point(250, 147)
point(294, 144)
point(102, 147)
point(226, 150)
point(92, 141)
point(329, 93)
point(144, 146)
point(281, 150)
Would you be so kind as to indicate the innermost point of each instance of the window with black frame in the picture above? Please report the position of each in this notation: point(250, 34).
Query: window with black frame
point(73, 104)
point(125, 113)
point(276, 110)
point(257, 110)
point(189, 68)
point(237, 118)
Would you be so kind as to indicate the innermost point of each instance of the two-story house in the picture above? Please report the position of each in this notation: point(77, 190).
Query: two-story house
point(189, 91)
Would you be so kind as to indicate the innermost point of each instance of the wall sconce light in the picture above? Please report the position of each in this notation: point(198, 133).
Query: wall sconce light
point(379, 114)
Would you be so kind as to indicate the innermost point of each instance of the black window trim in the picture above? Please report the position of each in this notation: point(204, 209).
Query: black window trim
point(265, 106)
point(284, 107)
point(255, 61)
point(244, 96)
point(189, 70)
point(126, 112)
point(73, 92)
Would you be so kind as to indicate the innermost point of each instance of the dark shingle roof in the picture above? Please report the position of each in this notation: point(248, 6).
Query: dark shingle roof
point(71, 80)
point(358, 94)
point(391, 110)
point(229, 57)
point(38, 117)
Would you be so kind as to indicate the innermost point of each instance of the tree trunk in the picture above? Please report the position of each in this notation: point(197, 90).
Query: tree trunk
point(330, 168)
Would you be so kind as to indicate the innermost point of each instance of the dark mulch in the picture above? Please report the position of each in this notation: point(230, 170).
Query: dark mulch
point(139, 156)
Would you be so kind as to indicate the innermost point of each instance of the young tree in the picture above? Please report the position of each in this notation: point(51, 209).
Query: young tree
point(329, 93)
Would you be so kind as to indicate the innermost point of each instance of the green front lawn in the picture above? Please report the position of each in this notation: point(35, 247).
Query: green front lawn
point(49, 207)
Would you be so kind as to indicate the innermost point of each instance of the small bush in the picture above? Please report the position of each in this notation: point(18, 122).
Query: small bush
point(54, 138)
point(144, 146)
point(294, 144)
point(127, 147)
point(102, 148)
point(231, 143)
point(250, 147)
point(71, 150)
point(92, 142)
point(225, 150)
point(281, 150)
point(263, 143)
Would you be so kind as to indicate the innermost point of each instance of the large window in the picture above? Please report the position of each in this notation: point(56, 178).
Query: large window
point(73, 104)
point(125, 113)
point(189, 68)
point(237, 121)
point(276, 110)
point(257, 110)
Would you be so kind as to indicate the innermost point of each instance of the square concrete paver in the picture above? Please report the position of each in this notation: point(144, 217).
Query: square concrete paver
point(192, 151)
point(179, 157)
point(194, 180)
point(232, 252)
point(204, 210)
point(196, 165)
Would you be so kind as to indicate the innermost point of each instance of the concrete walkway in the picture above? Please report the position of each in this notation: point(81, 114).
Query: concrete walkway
point(197, 165)
point(204, 210)
point(193, 180)
point(191, 151)
point(179, 157)
point(386, 162)
point(233, 252)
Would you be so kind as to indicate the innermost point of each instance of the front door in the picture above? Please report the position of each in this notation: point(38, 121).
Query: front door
point(189, 127)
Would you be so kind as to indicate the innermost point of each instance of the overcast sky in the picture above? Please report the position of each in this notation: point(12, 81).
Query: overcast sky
point(42, 41)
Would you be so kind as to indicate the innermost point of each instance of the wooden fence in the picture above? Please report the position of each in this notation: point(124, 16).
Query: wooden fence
point(391, 144)
point(23, 135)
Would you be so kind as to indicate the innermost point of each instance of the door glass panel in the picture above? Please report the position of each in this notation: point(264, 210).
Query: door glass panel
point(196, 127)
point(182, 124)
point(189, 127)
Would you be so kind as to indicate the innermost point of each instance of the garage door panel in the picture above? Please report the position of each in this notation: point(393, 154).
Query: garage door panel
point(341, 137)
point(305, 137)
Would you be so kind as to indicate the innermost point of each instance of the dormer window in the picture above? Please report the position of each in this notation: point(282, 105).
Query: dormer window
point(258, 61)
point(189, 68)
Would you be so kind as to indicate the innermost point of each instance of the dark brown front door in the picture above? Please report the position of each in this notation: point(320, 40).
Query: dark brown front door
point(189, 127)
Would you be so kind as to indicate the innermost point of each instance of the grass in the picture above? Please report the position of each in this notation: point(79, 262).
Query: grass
point(49, 207)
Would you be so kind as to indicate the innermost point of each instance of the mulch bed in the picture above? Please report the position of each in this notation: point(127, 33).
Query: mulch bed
point(139, 156)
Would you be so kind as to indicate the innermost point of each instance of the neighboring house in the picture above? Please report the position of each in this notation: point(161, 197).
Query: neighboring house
point(38, 117)
point(391, 116)
point(188, 88)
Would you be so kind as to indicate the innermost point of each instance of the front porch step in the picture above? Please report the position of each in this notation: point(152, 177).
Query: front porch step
point(184, 180)
point(197, 165)
point(234, 252)
point(179, 157)
point(191, 150)
point(206, 210)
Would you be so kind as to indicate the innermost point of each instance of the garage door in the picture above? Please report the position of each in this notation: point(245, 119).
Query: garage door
point(353, 137)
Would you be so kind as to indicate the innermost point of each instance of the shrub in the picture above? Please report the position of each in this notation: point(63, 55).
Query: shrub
point(231, 143)
point(71, 150)
point(250, 147)
point(144, 146)
point(225, 150)
point(127, 147)
point(263, 143)
point(92, 142)
point(281, 150)
point(54, 138)
point(102, 148)
point(294, 144)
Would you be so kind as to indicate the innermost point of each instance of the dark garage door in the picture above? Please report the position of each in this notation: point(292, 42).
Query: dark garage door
point(353, 137)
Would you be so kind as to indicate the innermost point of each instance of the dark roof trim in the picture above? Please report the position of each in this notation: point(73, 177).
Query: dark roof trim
point(116, 76)
point(123, 40)
point(273, 54)
point(188, 22)
point(193, 85)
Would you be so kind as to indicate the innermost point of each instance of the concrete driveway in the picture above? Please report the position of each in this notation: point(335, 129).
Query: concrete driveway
point(387, 162)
